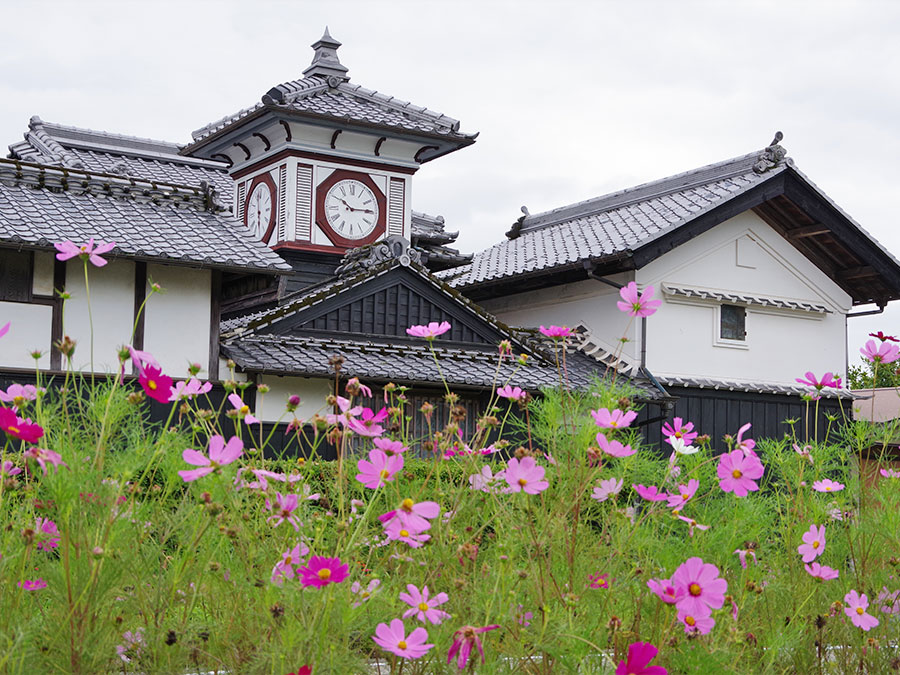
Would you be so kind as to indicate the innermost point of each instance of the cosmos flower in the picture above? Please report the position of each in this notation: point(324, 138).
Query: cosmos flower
point(486, 481)
point(285, 505)
point(463, 641)
point(881, 336)
point(4, 329)
point(889, 473)
point(821, 571)
point(828, 380)
point(394, 639)
point(640, 654)
point(651, 494)
point(696, 624)
point(511, 393)
point(189, 389)
point(21, 428)
point(856, 609)
point(156, 385)
point(321, 571)
point(134, 642)
point(525, 475)
point(242, 409)
point(742, 554)
point(884, 352)
point(32, 585)
point(634, 304)
point(87, 251)
point(19, 395)
point(704, 589)
point(598, 581)
point(556, 332)
point(679, 429)
point(43, 457)
point(378, 469)
point(429, 332)
point(389, 447)
point(827, 485)
point(290, 559)
point(414, 516)
point(607, 488)
point(666, 591)
point(422, 607)
point(9, 469)
point(737, 472)
point(395, 530)
point(684, 493)
point(741, 443)
point(615, 419)
point(813, 543)
point(363, 594)
point(220, 454)
point(48, 534)
point(368, 423)
point(805, 453)
point(614, 448)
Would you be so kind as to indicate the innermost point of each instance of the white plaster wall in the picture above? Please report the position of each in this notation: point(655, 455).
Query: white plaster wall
point(176, 323)
point(30, 329)
point(42, 283)
point(590, 302)
point(744, 255)
point(112, 307)
point(312, 393)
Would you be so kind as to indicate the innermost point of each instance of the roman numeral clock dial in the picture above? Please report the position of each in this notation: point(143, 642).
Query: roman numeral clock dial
point(351, 209)
point(258, 210)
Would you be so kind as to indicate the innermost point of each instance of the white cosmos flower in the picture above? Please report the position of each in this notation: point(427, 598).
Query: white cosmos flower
point(679, 446)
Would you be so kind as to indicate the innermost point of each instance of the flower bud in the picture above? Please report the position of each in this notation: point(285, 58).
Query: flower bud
point(263, 388)
point(194, 368)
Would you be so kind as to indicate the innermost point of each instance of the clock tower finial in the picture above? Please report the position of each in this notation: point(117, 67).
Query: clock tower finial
point(326, 62)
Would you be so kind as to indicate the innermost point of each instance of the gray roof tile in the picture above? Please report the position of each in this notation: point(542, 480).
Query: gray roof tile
point(756, 387)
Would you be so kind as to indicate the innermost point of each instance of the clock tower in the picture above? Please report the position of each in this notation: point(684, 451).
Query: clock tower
point(322, 165)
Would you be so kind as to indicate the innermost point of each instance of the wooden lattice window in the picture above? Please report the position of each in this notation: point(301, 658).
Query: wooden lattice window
point(733, 322)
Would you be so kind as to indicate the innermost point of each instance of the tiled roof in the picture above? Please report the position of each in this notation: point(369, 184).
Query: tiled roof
point(743, 298)
point(42, 205)
point(613, 224)
point(100, 151)
point(430, 238)
point(756, 387)
point(401, 363)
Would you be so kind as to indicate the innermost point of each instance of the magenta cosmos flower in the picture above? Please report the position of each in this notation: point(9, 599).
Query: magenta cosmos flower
point(463, 641)
point(47, 531)
point(389, 447)
point(37, 584)
point(241, 409)
point(822, 572)
point(679, 429)
point(512, 393)
point(394, 639)
point(43, 457)
point(556, 332)
point(881, 336)
point(22, 428)
point(889, 473)
point(856, 610)
point(742, 554)
point(615, 419)
point(156, 385)
point(684, 493)
point(378, 469)
point(525, 475)
point(614, 448)
point(9, 469)
point(422, 607)
point(368, 423)
point(634, 304)
point(884, 352)
point(828, 380)
point(640, 654)
point(827, 485)
point(704, 589)
point(220, 454)
point(607, 488)
point(285, 505)
point(651, 494)
point(666, 591)
point(813, 543)
point(737, 472)
point(429, 332)
point(87, 251)
point(321, 571)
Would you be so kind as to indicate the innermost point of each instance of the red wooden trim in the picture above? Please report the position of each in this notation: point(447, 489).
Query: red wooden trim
point(322, 189)
point(289, 152)
point(303, 246)
point(267, 179)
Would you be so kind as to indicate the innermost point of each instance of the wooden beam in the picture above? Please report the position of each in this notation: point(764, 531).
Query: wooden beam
point(56, 330)
point(215, 318)
point(140, 309)
point(808, 231)
point(857, 272)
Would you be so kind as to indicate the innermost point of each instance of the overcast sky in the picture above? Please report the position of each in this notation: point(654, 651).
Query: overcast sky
point(572, 99)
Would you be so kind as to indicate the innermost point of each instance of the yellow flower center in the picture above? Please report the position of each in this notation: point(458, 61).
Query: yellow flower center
point(287, 561)
point(15, 430)
point(736, 474)
point(523, 482)
point(18, 401)
point(365, 594)
point(151, 384)
point(423, 607)
point(384, 473)
point(324, 574)
point(860, 611)
point(685, 496)
point(613, 423)
point(401, 644)
point(694, 589)
point(407, 504)
point(828, 489)
point(245, 409)
point(404, 533)
point(815, 544)
point(690, 621)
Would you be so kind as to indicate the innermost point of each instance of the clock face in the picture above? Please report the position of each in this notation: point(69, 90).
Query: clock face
point(259, 210)
point(351, 209)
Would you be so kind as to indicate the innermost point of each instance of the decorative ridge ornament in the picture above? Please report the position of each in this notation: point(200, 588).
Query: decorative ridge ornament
point(360, 259)
point(772, 156)
point(326, 62)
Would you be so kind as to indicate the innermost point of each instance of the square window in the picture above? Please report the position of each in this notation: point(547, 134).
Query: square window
point(732, 323)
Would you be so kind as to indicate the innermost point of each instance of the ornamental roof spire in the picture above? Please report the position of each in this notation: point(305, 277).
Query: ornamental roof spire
point(325, 61)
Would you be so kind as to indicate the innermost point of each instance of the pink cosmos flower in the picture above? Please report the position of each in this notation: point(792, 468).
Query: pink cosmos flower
point(285, 505)
point(389, 447)
point(463, 641)
point(857, 605)
point(512, 393)
point(4, 329)
point(134, 643)
point(692, 524)
point(666, 591)
point(884, 352)
point(615, 419)
point(640, 654)
point(354, 384)
point(556, 332)
point(414, 516)
point(220, 454)
point(651, 494)
point(242, 409)
point(598, 581)
point(813, 543)
point(745, 445)
point(422, 607)
point(525, 474)
point(87, 251)
point(368, 423)
point(156, 385)
point(46, 528)
point(485, 481)
point(637, 305)
point(805, 453)
point(614, 448)
point(43, 457)
point(378, 469)
point(684, 493)
point(9, 469)
point(696, 624)
point(827, 485)
point(678, 429)
point(742, 554)
point(189, 389)
point(828, 380)
point(523, 618)
point(142, 359)
point(19, 395)
point(394, 639)
point(395, 530)
point(32, 585)
point(607, 488)
point(889, 473)
point(890, 602)
point(364, 593)
point(429, 332)
point(17, 427)
point(704, 589)
point(289, 560)
point(321, 571)
point(821, 571)
point(737, 472)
